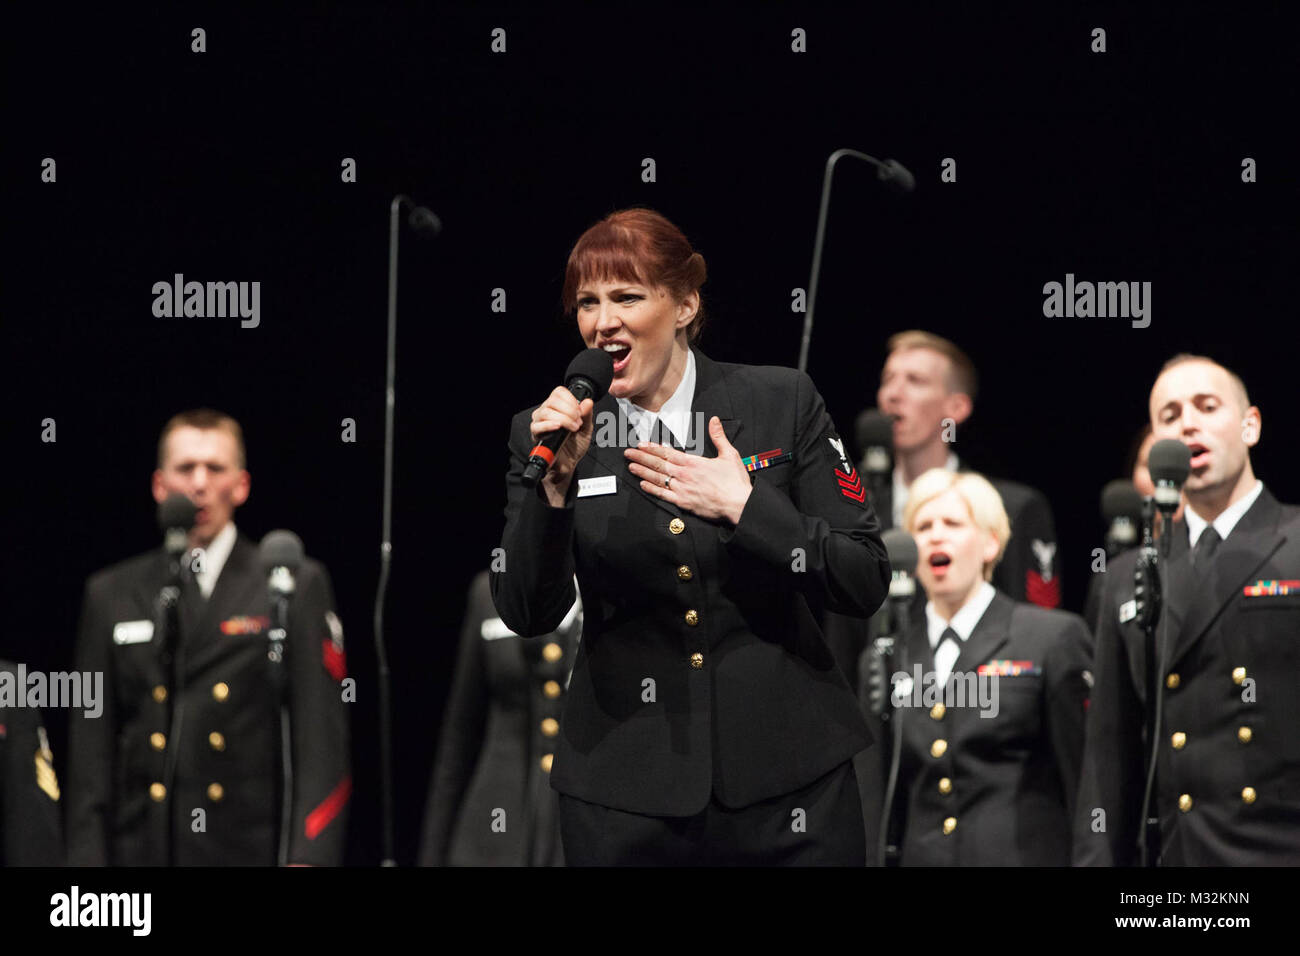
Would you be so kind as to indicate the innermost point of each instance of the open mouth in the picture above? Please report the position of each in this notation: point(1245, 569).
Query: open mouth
point(619, 352)
point(939, 562)
point(1200, 455)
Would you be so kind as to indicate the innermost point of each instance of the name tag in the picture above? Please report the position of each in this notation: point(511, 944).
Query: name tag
point(132, 632)
point(493, 629)
point(604, 485)
point(1127, 611)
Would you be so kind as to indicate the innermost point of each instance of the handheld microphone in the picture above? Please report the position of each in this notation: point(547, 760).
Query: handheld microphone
point(589, 375)
point(1169, 461)
point(1121, 508)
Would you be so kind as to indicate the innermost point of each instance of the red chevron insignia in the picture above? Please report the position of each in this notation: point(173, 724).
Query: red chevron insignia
point(851, 485)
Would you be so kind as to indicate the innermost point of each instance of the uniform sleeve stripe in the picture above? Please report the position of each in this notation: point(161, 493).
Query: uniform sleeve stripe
point(328, 809)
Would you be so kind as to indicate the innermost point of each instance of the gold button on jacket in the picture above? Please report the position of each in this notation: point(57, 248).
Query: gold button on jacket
point(1178, 740)
point(550, 727)
point(216, 741)
point(939, 748)
point(949, 825)
point(160, 694)
point(215, 792)
point(552, 652)
point(220, 691)
point(677, 526)
point(158, 792)
point(158, 741)
point(697, 660)
point(551, 689)
point(1172, 681)
point(684, 572)
point(692, 617)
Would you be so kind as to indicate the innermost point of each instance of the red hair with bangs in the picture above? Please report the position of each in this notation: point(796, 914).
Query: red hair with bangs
point(636, 245)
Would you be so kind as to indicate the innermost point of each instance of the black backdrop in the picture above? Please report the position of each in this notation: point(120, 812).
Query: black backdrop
point(225, 165)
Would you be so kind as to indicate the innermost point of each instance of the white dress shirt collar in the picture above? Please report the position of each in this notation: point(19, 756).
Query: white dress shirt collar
point(675, 413)
point(964, 621)
point(899, 501)
point(1226, 521)
point(214, 558)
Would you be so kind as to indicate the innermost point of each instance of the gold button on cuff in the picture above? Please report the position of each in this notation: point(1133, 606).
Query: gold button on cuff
point(697, 660)
point(216, 741)
point(215, 792)
point(1238, 675)
point(158, 741)
point(1178, 740)
point(1248, 795)
point(684, 572)
point(552, 652)
point(949, 825)
point(1185, 802)
point(945, 786)
point(1244, 734)
point(546, 762)
point(677, 526)
point(938, 748)
point(692, 618)
point(937, 712)
point(220, 691)
point(1172, 681)
point(550, 727)
point(551, 689)
point(160, 694)
point(158, 792)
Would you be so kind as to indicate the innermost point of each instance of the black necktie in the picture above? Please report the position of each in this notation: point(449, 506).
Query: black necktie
point(948, 635)
point(1206, 545)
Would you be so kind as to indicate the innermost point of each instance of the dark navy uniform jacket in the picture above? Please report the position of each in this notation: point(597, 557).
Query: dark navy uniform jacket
point(702, 669)
point(138, 773)
point(490, 799)
point(1228, 767)
point(996, 790)
point(30, 832)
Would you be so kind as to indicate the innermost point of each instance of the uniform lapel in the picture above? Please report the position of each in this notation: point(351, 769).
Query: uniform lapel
point(711, 398)
point(992, 631)
point(1250, 544)
point(234, 592)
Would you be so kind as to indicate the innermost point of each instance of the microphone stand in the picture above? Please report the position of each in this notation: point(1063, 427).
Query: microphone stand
point(901, 591)
point(282, 586)
point(422, 220)
point(889, 171)
point(1148, 598)
point(166, 613)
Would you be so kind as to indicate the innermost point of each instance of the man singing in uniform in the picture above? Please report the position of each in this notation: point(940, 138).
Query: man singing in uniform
point(1227, 775)
point(184, 766)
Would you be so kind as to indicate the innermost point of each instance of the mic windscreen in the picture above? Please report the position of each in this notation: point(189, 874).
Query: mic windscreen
point(895, 174)
point(901, 548)
point(176, 511)
point(1120, 499)
point(424, 221)
point(874, 429)
point(281, 549)
point(596, 366)
point(1169, 461)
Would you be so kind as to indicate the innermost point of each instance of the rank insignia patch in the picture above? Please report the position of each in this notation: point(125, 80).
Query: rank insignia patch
point(45, 777)
point(245, 625)
point(766, 459)
point(846, 475)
